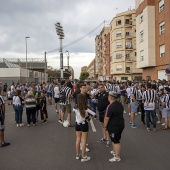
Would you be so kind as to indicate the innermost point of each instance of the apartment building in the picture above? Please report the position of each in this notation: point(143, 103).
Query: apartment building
point(153, 38)
point(91, 69)
point(107, 75)
point(100, 53)
point(84, 69)
point(123, 47)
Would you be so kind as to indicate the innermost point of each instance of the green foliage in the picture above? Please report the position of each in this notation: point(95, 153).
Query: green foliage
point(84, 75)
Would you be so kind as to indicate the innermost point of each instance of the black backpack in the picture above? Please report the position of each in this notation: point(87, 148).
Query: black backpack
point(63, 96)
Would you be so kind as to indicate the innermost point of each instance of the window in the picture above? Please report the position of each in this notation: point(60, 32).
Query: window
point(118, 22)
point(141, 17)
point(119, 45)
point(127, 33)
point(118, 33)
point(162, 27)
point(142, 55)
point(162, 50)
point(135, 54)
point(118, 56)
point(127, 56)
point(128, 69)
point(161, 5)
point(128, 21)
point(128, 44)
point(124, 78)
point(141, 36)
point(119, 68)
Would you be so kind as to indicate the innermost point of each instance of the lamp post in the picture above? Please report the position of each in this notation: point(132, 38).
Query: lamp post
point(26, 59)
point(68, 59)
point(60, 33)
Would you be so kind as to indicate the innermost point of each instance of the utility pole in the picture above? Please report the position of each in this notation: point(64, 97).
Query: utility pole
point(45, 65)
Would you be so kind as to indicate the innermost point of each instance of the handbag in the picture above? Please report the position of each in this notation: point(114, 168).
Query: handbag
point(149, 106)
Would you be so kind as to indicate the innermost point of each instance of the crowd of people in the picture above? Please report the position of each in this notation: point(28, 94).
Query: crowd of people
point(103, 100)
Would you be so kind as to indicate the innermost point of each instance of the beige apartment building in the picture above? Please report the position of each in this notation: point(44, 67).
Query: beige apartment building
point(91, 69)
point(153, 38)
point(123, 47)
point(100, 56)
point(84, 69)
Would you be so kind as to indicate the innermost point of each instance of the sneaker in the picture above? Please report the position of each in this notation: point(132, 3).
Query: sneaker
point(143, 122)
point(101, 140)
point(124, 111)
point(158, 122)
point(22, 124)
point(28, 125)
point(87, 149)
point(148, 129)
point(136, 114)
point(134, 126)
point(78, 157)
point(17, 125)
point(163, 124)
point(130, 123)
point(154, 129)
point(139, 112)
point(60, 121)
point(129, 114)
point(107, 143)
point(115, 159)
point(113, 153)
point(5, 144)
point(85, 159)
point(44, 122)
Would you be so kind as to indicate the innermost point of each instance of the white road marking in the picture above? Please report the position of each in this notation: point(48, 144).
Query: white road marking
point(92, 126)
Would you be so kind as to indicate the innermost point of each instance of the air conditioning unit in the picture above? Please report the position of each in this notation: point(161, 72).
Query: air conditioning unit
point(162, 54)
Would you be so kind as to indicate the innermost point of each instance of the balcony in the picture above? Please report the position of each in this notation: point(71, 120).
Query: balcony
point(127, 71)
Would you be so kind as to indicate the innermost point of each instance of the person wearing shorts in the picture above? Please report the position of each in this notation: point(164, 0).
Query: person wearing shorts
point(123, 94)
point(134, 104)
point(103, 102)
point(56, 96)
point(2, 123)
point(114, 123)
point(81, 128)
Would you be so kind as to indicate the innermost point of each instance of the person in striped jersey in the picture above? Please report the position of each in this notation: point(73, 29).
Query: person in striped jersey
point(149, 97)
point(65, 97)
point(166, 108)
point(134, 104)
point(2, 123)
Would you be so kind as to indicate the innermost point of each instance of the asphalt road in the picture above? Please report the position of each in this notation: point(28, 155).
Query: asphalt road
point(52, 147)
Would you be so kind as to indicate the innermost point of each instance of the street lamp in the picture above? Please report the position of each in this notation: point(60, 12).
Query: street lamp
point(26, 59)
point(68, 59)
point(60, 33)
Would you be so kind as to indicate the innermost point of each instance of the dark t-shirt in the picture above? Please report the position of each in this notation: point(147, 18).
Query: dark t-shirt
point(102, 101)
point(123, 93)
point(115, 113)
point(43, 101)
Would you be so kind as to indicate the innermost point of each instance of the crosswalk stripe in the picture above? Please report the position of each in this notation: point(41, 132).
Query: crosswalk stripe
point(92, 126)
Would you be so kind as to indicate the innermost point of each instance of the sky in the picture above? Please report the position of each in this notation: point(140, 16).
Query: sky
point(36, 19)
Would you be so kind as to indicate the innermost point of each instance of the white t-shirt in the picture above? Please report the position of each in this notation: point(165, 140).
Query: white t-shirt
point(79, 119)
point(16, 101)
point(128, 90)
point(56, 92)
point(9, 94)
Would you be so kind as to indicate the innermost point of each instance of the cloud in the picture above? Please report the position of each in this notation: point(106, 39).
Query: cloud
point(36, 19)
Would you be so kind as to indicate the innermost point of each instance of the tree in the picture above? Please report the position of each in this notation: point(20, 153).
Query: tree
point(84, 75)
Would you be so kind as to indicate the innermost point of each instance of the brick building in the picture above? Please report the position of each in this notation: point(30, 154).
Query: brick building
point(153, 38)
